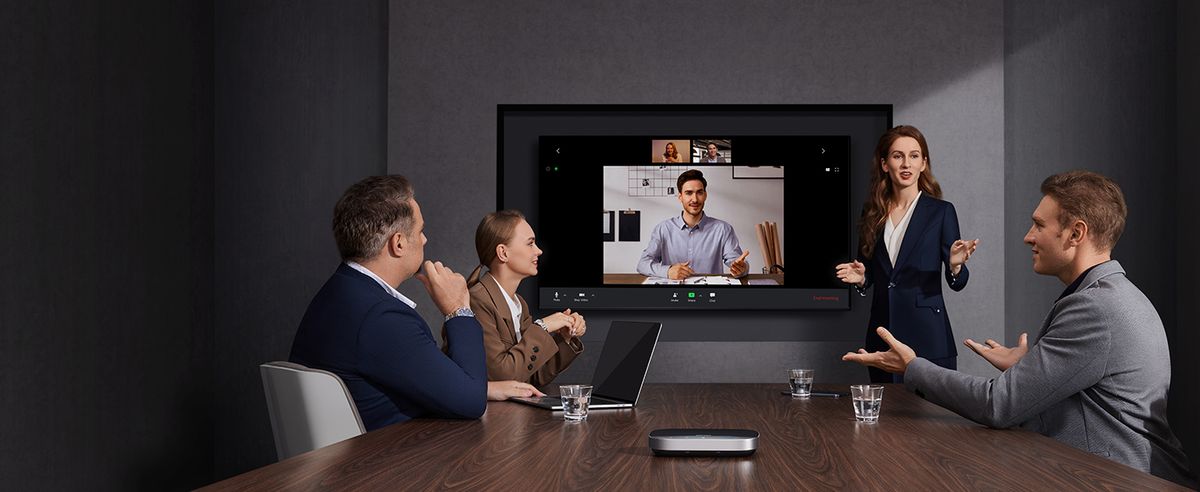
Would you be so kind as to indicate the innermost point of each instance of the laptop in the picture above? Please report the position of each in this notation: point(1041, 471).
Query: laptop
point(620, 371)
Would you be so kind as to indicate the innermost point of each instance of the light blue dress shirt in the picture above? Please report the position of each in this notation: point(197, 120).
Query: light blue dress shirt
point(710, 246)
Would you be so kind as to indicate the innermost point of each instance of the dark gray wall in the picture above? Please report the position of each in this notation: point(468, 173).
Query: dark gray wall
point(299, 92)
point(1092, 85)
point(1185, 335)
point(448, 65)
point(941, 66)
point(153, 262)
point(105, 201)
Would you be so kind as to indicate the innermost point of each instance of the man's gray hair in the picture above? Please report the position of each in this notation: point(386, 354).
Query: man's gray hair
point(369, 212)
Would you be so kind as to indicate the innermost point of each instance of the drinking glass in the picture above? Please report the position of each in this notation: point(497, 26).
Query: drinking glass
point(575, 399)
point(801, 381)
point(867, 399)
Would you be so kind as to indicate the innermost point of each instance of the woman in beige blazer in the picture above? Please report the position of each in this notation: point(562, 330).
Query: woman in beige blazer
point(529, 350)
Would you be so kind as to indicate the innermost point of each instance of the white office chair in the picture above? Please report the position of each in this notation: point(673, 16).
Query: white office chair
point(309, 408)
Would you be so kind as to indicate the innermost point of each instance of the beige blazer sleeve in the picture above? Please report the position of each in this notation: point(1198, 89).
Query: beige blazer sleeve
point(567, 348)
point(536, 359)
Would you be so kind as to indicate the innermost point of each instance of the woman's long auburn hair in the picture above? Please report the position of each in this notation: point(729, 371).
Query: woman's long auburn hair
point(879, 196)
point(495, 229)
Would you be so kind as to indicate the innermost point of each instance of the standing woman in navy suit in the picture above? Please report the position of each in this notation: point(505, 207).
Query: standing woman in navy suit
point(906, 237)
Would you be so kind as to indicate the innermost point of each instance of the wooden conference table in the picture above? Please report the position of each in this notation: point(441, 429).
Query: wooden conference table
point(812, 444)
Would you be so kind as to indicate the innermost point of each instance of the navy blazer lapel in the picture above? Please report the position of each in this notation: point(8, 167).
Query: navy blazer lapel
point(917, 225)
point(882, 254)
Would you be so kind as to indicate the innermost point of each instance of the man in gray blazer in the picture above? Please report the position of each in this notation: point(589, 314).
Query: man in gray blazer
point(1097, 376)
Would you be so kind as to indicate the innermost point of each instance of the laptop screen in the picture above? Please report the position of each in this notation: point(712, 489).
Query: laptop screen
point(625, 359)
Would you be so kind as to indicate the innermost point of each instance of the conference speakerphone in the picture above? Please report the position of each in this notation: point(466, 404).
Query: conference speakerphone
point(703, 442)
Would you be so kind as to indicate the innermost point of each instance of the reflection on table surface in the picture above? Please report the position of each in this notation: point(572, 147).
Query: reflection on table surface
point(812, 443)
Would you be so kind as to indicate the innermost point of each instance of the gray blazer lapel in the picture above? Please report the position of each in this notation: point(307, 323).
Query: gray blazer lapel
point(1110, 267)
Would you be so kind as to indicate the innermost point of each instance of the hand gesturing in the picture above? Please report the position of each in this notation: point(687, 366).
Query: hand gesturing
point(1000, 356)
point(739, 266)
point(895, 360)
point(854, 273)
point(961, 251)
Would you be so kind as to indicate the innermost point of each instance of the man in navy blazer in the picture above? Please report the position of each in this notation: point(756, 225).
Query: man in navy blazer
point(1098, 374)
point(362, 329)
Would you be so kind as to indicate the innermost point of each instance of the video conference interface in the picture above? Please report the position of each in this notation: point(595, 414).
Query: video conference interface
point(768, 219)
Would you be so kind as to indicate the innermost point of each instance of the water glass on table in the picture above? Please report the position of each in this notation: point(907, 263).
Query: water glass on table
point(575, 399)
point(867, 399)
point(801, 381)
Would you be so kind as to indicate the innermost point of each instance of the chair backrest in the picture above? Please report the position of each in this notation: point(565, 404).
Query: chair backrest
point(309, 408)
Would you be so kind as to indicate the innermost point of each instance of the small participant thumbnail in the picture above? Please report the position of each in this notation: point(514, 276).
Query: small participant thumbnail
point(670, 151)
point(712, 151)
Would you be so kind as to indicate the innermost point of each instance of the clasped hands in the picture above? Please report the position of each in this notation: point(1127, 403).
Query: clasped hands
point(574, 324)
point(681, 271)
point(449, 292)
point(899, 355)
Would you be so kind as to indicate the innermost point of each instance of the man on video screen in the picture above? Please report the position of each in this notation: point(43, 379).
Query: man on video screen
point(712, 156)
point(693, 243)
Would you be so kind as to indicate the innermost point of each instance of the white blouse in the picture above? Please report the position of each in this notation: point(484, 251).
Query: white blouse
point(893, 235)
point(514, 307)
